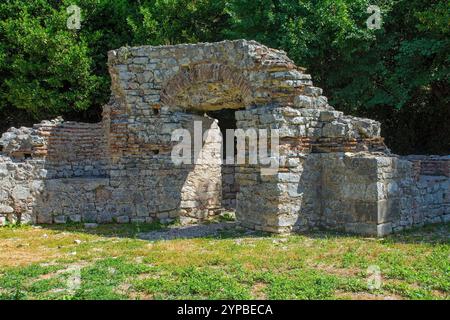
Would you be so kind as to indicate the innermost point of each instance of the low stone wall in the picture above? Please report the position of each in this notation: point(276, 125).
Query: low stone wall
point(352, 192)
point(20, 183)
point(424, 197)
point(58, 186)
point(136, 194)
point(377, 195)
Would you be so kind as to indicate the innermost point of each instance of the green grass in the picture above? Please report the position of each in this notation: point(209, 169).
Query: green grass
point(112, 263)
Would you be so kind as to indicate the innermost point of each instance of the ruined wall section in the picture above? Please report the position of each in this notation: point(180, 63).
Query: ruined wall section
point(20, 183)
point(421, 192)
point(336, 173)
point(151, 186)
point(151, 86)
point(156, 90)
point(335, 170)
point(292, 199)
point(38, 167)
point(375, 194)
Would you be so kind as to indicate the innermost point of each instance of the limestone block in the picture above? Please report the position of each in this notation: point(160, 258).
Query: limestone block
point(334, 129)
point(286, 220)
point(384, 229)
point(89, 216)
point(149, 220)
point(76, 218)
point(313, 91)
point(137, 220)
point(20, 193)
point(329, 115)
point(355, 191)
point(60, 219)
point(388, 210)
point(37, 186)
point(366, 127)
point(314, 132)
point(125, 209)
point(3, 196)
point(142, 210)
point(366, 212)
point(122, 219)
point(3, 172)
point(4, 209)
point(187, 220)
point(287, 131)
point(104, 217)
point(320, 102)
point(302, 101)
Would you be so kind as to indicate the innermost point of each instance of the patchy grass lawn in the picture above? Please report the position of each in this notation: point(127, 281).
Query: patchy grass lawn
point(110, 262)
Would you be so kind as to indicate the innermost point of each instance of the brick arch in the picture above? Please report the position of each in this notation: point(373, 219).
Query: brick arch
point(206, 73)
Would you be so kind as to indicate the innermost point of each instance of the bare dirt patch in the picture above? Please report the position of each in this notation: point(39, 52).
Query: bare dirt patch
point(258, 291)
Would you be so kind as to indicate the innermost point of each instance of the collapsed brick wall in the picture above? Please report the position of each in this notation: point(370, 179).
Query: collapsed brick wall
point(75, 149)
point(33, 187)
point(430, 165)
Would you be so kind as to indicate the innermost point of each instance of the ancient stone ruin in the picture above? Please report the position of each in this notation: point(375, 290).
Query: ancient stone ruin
point(335, 173)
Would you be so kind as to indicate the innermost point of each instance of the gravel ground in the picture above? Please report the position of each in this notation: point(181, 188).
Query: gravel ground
point(188, 232)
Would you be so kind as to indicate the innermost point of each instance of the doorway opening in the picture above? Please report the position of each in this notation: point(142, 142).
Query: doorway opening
point(230, 188)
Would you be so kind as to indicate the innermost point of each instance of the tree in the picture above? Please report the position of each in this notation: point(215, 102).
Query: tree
point(45, 68)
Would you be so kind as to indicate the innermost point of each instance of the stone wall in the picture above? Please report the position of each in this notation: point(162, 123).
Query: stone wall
point(335, 171)
point(21, 182)
point(379, 194)
point(230, 188)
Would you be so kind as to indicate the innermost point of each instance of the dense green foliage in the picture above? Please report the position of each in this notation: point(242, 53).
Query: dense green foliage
point(398, 74)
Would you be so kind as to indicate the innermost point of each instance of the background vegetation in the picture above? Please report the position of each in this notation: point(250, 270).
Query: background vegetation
point(398, 75)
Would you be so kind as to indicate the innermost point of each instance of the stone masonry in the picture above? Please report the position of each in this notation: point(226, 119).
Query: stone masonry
point(335, 173)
